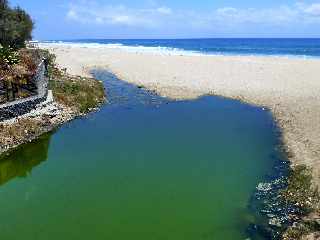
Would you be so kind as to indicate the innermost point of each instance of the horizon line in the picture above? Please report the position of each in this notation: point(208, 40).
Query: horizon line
point(196, 38)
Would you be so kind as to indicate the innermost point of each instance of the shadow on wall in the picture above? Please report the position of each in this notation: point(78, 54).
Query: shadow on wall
point(21, 161)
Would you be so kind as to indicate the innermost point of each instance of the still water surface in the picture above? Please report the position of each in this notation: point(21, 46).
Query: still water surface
point(142, 168)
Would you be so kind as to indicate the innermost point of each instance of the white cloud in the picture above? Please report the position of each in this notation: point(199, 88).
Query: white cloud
point(164, 10)
point(162, 17)
point(274, 16)
point(312, 9)
point(93, 13)
point(71, 14)
point(227, 11)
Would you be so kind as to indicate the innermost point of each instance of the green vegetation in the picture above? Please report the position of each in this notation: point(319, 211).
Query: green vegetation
point(79, 93)
point(8, 56)
point(15, 26)
point(17, 69)
point(302, 229)
point(16, 66)
point(302, 193)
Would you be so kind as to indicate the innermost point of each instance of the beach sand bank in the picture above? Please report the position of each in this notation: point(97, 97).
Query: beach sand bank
point(289, 87)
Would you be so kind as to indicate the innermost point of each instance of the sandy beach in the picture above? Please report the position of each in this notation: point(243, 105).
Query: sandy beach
point(289, 87)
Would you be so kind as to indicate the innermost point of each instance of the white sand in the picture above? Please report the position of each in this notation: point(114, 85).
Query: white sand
point(289, 87)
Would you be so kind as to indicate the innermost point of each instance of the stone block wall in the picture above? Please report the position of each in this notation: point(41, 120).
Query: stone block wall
point(22, 106)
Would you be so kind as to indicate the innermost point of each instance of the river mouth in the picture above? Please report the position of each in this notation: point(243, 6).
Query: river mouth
point(143, 167)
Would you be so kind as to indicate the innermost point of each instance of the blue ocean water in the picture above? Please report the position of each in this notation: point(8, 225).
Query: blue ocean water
point(233, 46)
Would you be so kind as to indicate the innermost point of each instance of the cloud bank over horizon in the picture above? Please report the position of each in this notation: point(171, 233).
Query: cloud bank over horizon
point(225, 20)
point(175, 19)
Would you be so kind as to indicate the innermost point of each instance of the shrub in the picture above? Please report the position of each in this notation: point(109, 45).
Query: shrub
point(80, 94)
point(8, 57)
point(16, 67)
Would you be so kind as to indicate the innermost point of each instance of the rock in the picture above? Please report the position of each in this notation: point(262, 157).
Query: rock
point(276, 222)
point(264, 187)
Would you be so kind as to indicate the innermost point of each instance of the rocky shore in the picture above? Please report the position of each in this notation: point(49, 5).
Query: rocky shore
point(23, 129)
point(285, 205)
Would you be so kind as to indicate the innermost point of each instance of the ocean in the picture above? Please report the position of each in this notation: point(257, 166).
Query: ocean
point(220, 46)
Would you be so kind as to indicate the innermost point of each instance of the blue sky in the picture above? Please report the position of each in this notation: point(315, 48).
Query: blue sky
point(76, 19)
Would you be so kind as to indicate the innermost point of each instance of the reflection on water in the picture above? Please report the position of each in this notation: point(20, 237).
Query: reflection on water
point(143, 167)
point(22, 160)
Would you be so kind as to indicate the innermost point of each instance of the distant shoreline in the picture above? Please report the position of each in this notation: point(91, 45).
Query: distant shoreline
point(308, 48)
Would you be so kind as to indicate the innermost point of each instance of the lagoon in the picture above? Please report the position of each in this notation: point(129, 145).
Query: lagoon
point(143, 167)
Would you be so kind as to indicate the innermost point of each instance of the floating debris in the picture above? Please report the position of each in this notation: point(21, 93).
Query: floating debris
point(272, 213)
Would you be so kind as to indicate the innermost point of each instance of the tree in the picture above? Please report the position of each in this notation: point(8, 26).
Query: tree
point(15, 26)
point(3, 4)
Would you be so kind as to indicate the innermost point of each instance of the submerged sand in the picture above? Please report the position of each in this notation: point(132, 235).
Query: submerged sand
point(289, 87)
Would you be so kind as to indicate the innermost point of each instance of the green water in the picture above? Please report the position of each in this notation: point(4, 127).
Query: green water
point(142, 168)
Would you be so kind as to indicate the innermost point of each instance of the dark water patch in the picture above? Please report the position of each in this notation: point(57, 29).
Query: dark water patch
point(144, 167)
point(271, 213)
point(275, 212)
point(20, 162)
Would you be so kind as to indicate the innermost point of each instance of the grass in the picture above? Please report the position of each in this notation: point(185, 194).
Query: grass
point(79, 93)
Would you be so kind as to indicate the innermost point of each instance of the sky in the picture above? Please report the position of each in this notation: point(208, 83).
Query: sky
point(128, 19)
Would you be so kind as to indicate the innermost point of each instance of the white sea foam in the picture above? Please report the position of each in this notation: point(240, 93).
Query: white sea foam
point(163, 50)
point(137, 48)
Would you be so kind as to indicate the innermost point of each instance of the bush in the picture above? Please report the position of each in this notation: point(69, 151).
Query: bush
point(15, 26)
point(17, 66)
point(8, 57)
point(80, 94)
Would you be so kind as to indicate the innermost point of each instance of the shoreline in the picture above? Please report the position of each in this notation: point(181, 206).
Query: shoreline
point(45, 118)
point(28, 127)
point(288, 87)
point(70, 97)
point(288, 223)
point(171, 51)
point(295, 102)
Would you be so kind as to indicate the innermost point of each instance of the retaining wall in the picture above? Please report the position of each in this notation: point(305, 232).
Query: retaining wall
point(22, 106)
